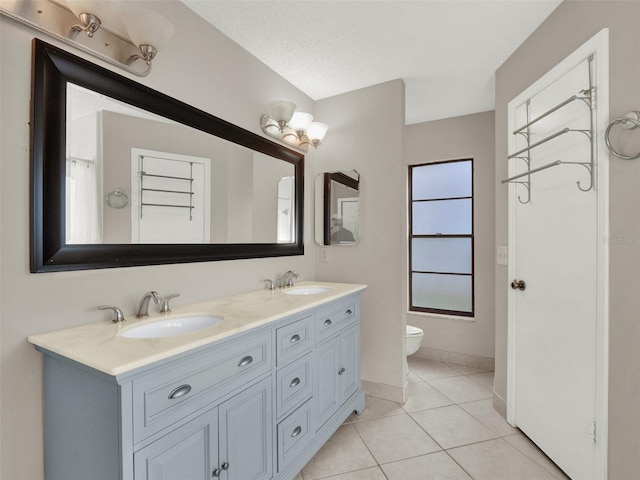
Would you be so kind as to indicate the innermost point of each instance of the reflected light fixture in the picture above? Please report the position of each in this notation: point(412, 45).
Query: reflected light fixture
point(135, 33)
point(295, 128)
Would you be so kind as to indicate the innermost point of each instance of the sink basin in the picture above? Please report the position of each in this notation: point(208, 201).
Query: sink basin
point(307, 290)
point(170, 327)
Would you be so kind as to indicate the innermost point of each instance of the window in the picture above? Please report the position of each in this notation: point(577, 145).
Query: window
point(441, 237)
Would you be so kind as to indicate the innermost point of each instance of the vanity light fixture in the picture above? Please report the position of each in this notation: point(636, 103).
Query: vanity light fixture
point(136, 33)
point(295, 128)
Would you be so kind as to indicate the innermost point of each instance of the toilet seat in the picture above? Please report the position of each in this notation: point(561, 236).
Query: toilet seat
point(413, 331)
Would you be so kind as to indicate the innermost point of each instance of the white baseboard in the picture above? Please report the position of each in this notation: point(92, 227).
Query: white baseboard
point(500, 405)
point(387, 392)
point(483, 363)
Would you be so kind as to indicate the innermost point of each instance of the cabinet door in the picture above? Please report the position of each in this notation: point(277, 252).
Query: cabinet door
point(328, 381)
point(349, 363)
point(246, 434)
point(189, 452)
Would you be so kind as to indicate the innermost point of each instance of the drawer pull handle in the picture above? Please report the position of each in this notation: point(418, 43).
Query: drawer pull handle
point(295, 382)
point(245, 361)
point(297, 431)
point(348, 312)
point(327, 322)
point(341, 371)
point(180, 391)
point(294, 339)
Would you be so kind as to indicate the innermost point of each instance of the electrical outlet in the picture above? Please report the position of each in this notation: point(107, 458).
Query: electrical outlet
point(502, 255)
point(324, 255)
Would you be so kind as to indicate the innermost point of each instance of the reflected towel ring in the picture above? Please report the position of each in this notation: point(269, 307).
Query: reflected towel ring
point(117, 199)
point(628, 123)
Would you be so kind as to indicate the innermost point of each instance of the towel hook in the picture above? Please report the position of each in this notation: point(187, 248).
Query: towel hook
point(627, 122)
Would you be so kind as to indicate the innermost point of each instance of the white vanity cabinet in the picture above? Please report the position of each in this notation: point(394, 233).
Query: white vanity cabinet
point(255, 405)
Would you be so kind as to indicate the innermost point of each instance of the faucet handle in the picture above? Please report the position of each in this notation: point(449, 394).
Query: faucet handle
point(270, 284)
point(117, 313)
point(164, 303)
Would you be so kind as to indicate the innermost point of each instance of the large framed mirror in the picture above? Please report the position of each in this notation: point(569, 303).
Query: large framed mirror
point(123, 175)
point(337, 208)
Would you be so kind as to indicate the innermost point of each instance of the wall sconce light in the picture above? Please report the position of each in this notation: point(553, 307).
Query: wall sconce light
point(147, 30)
point(295, 128)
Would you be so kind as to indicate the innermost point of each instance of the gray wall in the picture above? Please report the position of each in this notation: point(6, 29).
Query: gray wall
point(469, 136)
point(223, 80)
point(366, 134)
point(568, 27)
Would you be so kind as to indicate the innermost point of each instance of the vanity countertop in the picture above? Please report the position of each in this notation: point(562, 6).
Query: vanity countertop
point(102, 347)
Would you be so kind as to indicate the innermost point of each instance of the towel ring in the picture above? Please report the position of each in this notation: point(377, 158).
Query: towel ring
point(117, 199)
point(628, 123)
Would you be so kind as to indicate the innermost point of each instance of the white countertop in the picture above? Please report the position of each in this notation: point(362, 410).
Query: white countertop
point(102, 347)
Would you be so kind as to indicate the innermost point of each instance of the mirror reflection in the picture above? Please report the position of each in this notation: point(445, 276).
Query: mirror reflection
point(136, 177)
point(337, 205)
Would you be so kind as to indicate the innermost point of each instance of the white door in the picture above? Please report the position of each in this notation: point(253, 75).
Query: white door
point(170, 198)
point(556, 237)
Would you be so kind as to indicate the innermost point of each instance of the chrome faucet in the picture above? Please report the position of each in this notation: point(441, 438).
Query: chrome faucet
point(143, 305)
point(286, 279)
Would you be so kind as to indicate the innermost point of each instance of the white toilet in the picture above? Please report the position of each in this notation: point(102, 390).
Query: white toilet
point(414, 339)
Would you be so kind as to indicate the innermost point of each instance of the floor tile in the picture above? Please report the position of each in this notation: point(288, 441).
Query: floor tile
point(434, 466)
point(452, 426)
point(531, 450)
point(421, 396)
point(430, 370)
point(344, 452)
point(395, 438)
point(367, 474)
point(483, 410)
point(413, 378)
point(461, 389)
point(463, 369)
point(497, 460)
point(377, 408)
point(485, 379)
point(299, 477)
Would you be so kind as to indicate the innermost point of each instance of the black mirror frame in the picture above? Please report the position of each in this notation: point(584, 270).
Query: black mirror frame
point(52, 68)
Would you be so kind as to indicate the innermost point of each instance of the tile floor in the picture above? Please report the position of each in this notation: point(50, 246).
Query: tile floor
point(447, 430)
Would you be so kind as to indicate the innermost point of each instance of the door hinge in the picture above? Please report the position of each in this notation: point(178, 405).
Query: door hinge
point(593, 431)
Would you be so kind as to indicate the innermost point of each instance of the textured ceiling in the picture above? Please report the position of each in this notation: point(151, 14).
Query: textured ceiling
point(446, 51)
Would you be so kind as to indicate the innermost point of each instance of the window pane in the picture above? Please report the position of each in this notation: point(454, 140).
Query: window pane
point(444, 216)
point(451, 255)
point(443, 292)
point(442, 180)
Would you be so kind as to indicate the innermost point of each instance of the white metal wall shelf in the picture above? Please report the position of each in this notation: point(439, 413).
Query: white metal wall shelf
point(189, 192)
point(587, 96)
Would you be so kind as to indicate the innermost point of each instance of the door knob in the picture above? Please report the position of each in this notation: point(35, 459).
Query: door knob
point(518, 285)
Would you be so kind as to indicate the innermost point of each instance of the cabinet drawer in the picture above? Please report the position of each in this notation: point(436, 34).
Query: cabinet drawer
point(294, 340)
point(294, 384)
point(182, 387)
point(334, 318)
point(294, 434)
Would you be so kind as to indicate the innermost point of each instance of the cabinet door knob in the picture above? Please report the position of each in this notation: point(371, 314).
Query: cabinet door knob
point(341, 371)
point(348, 312)
point(245, 361)
point(295, 382)
point(225, 466)
point(180, 391)
point(518, 285)
point(327, 322)
point(215, 473)
point(294, 339)
point(297, 431)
